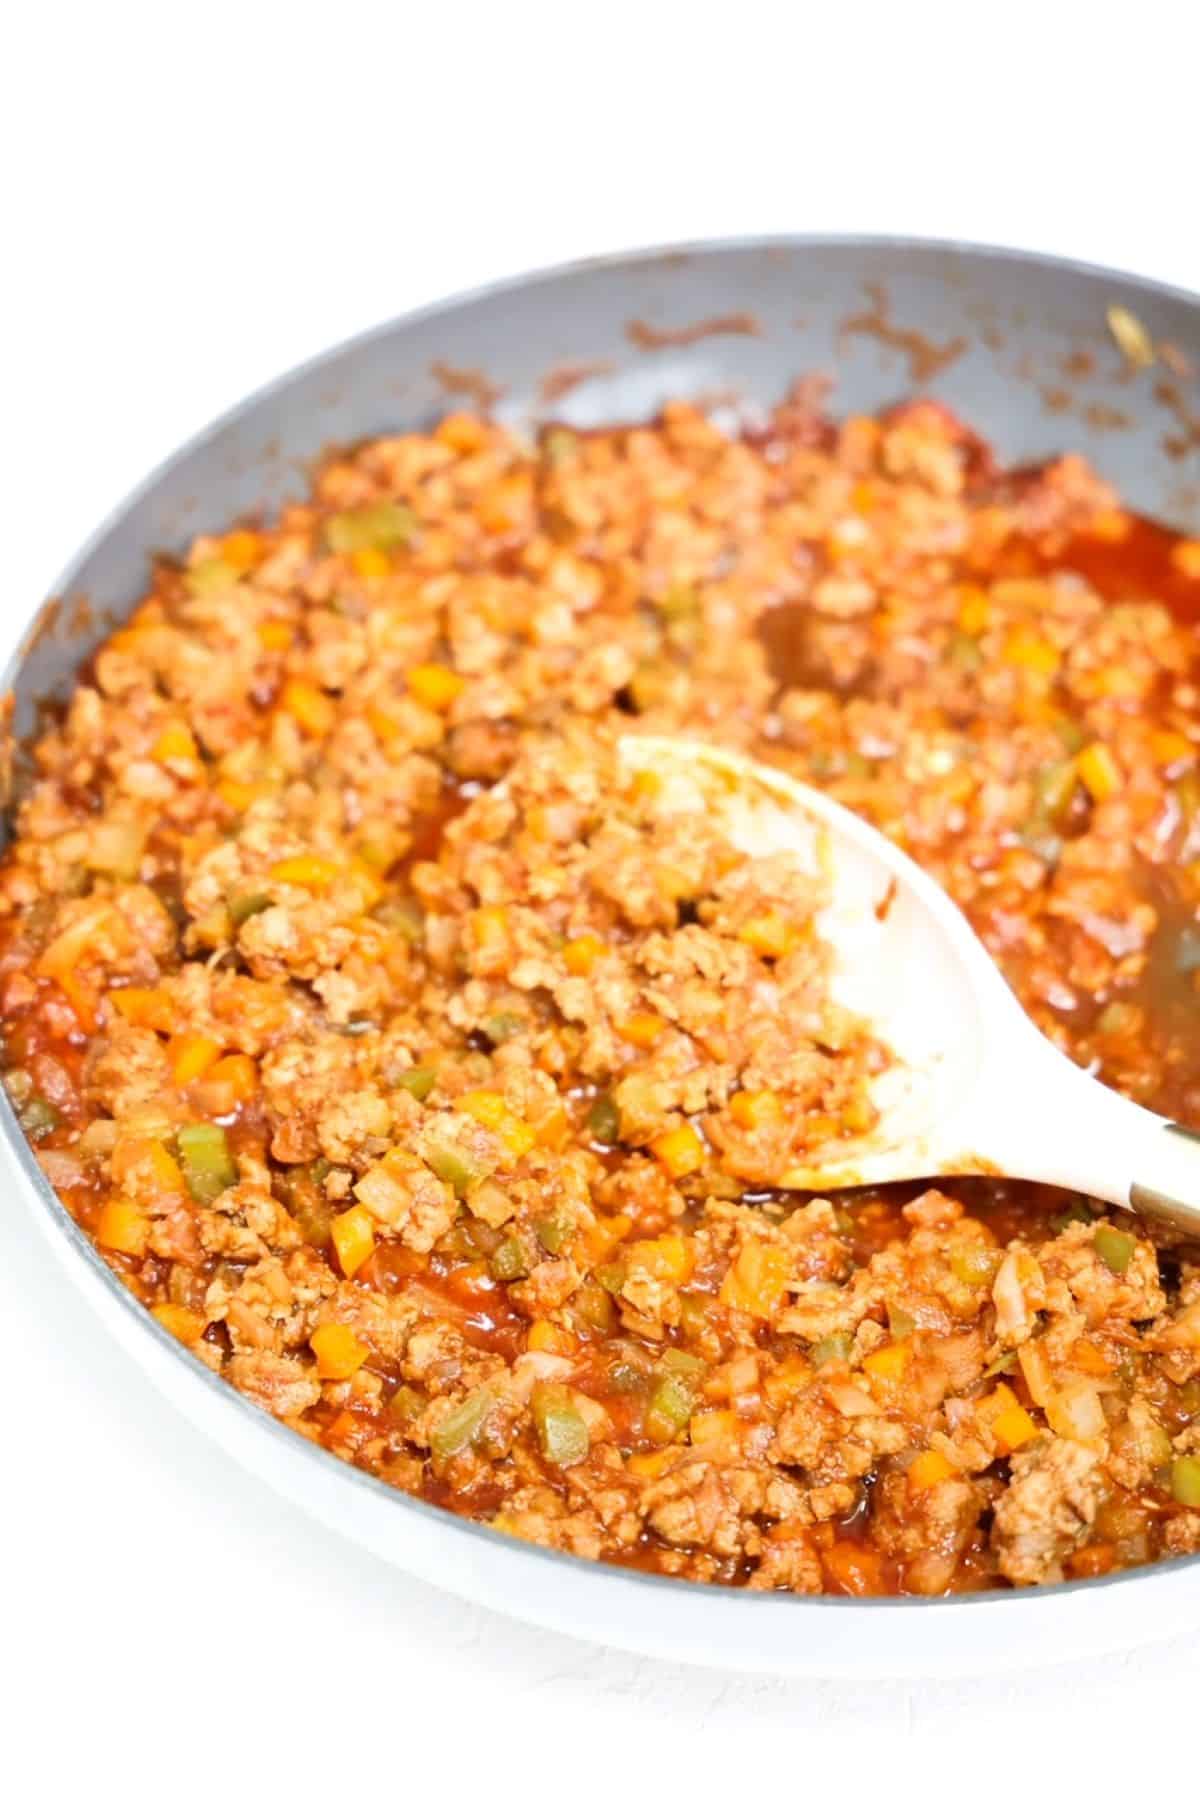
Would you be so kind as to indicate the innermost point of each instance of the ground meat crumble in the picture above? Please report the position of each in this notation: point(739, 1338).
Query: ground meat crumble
point(433, 1082)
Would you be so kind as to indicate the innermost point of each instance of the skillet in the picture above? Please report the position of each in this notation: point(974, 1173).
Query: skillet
point(1024, 348)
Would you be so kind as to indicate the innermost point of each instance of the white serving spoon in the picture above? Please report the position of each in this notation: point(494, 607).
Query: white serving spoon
point(974, 1087)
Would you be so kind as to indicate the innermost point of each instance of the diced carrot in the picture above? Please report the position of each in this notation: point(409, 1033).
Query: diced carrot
point(642, 1028)
point(1186, 557)
point(276, 635)
point(679, 1151)
point(1098, 771)
point(145, 1006)
point(353, 1236)
point(864, 496)
point(756, 1111)
point(757, 1281)
point(339, 1352)
point(312, 709)
point(122, 1227)
point(667, 1258)
point(370, 563)
point(191, 1055)
point(930, 1467)
point(184, 1324)
point(175, 743)
point(243, 550)
point(582, 953)
point(313, 872)
point(854, 1568)
point(435, 686)
point(770, 935)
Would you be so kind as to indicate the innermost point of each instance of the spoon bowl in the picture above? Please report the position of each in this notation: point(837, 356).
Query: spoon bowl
point(972, 1086)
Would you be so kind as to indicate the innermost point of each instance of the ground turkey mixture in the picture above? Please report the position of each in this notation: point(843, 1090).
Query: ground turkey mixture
point(433, 1083)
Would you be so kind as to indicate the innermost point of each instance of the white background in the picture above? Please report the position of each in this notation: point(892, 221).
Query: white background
point(197, 197)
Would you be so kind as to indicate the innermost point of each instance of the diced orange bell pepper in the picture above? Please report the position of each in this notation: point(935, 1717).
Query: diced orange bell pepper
point(144, 1006)
point(667, 1258)
point(650, 1464)
point(854, 1568)
point(145, 1160)
point(339, 1352)
point(312, 709)
point(1186, 557)
point(1027, 649)
point(175, 743)
point(974, 610)
point(123, 1228)
point(275, 635)
point(463, 432)
point(370, 563)
point(490, 1110)
point(756, 1111)
point(708, 1429)
point(771, 935)
point(680, 1151)
point(1098, 771)
point(930, 1467)
point(582, 953)
point(243, 550)
point(757, 1281)
point(489, 928)
point(550, 1338)
point(353, 1234)
point(435, 686)
point(887, 1367)
point(313, 872)
point(191, 1055)
point(237, 1074)
point(1110, 525)
point(184, 1324)
point(1004, 1415)
point(642, 1029)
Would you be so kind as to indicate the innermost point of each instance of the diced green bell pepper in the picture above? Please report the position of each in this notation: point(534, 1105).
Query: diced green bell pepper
point(207, 1162)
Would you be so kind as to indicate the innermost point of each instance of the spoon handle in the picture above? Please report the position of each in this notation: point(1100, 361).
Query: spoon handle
point(1166, 1184)
point(1059, 1124)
